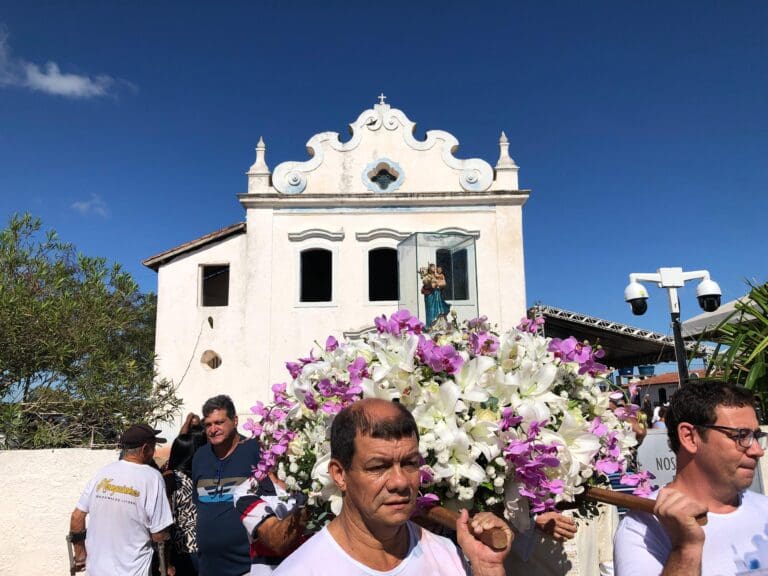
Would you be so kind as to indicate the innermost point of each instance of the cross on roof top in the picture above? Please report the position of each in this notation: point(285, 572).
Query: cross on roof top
point(381, 98)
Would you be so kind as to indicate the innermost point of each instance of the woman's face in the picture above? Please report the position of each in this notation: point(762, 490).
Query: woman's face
point(431, 268)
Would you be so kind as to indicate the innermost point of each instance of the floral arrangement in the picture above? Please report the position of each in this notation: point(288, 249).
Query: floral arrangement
point(511, 421)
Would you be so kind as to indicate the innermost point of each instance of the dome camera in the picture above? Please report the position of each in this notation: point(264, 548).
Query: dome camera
point(708, 293)
point(637, 296)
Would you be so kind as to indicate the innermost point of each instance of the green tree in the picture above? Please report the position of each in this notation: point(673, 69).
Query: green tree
point(76, 344)
point(742, 351)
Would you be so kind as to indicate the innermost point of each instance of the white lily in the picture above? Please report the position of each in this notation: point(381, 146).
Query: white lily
point(471, 378)
point(461, 460)
point(441, 408)
point(329, 491)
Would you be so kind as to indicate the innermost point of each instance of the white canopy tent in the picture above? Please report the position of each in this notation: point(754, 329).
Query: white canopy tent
point(708, 321)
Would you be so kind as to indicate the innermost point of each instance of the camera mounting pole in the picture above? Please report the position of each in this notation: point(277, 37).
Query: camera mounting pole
point(672, 279)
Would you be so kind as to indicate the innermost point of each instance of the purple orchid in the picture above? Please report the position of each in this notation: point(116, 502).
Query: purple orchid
point(358, 370)
point(483, 343)
point(440, 358)
point(331, 344)
point(597, 427)
point(607, 466)
point(641, 481)
point(509, 419)
point(531, 326)
point(426, 502)
point(401, 321)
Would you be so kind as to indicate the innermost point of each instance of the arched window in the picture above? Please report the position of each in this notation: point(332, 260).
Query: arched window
point(383, 277)
point(455, 269)
point(316, 275)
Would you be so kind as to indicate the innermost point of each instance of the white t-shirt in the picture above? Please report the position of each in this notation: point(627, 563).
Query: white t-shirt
point(428, 554)
point(735, 543)
point(125, 503)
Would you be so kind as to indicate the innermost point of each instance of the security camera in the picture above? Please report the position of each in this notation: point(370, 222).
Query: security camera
point(708, 293)
point(637, 296)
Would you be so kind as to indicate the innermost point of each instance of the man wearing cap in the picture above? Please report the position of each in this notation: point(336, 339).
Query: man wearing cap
point(128, 510)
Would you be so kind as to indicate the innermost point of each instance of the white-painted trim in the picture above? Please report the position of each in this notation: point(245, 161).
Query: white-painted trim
point(380, 233)
point(313, 233)
point(456, 230)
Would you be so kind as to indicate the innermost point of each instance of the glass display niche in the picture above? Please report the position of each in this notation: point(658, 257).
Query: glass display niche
point(438, 272)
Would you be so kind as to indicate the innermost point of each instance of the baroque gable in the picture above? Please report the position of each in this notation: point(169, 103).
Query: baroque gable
point(383, 159)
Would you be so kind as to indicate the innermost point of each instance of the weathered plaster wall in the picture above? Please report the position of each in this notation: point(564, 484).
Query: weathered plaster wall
point(40, 490)
point(184, 331)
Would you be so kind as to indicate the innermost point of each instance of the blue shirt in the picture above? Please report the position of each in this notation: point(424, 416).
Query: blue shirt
point(222, 541)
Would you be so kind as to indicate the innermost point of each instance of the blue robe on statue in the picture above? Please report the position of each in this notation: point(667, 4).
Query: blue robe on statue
point(435, 305)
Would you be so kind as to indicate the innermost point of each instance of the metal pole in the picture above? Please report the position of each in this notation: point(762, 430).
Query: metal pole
point(680, 355)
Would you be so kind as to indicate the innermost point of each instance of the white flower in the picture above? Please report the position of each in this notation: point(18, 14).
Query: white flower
point(471, 378)
point(461, 462)
point(328, 490)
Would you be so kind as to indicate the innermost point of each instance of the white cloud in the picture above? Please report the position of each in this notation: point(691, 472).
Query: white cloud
point(50, 80)
point(95, 205)
point(53, 81)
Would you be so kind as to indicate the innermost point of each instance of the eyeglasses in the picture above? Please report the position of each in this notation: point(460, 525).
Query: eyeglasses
point(744, 436)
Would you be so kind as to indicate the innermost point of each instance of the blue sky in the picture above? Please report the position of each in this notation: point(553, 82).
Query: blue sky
point(640, 127)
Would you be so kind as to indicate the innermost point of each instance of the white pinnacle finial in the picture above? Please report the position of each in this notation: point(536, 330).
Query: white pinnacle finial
point(505, 161)
point(260, 165)
point(382, 98)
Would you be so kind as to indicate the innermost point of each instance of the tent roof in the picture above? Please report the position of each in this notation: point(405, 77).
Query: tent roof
point(624, 345)
point(705, 323)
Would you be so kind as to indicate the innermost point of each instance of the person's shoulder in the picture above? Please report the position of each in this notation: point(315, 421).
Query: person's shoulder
point(431, 540)
point(248, 449)
point(201, 454)
point(316, 552)
point(754, 499)
point(249, 444)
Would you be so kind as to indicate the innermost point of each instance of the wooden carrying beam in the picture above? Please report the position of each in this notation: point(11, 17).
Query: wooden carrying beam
point(497, 538)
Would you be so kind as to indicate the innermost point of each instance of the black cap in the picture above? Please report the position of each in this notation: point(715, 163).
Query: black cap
point(140, 434)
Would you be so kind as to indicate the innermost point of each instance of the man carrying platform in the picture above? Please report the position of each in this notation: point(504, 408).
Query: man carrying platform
point(714, 431)
point(375, 462)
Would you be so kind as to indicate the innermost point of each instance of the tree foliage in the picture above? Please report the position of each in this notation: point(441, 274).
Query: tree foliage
point(76, 344)
point(742, 352)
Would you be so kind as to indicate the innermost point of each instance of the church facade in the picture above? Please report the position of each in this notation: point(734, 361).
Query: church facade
point(331, 242)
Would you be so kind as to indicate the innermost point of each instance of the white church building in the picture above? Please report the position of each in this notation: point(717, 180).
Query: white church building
point(329, 243)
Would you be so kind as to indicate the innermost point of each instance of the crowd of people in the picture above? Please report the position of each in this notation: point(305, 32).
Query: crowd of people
point(212, 519)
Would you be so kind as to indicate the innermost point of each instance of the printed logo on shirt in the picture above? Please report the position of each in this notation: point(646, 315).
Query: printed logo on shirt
point(106, 486)
point(209, 490)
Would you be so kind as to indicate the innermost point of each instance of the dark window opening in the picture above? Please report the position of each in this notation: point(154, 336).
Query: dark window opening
point(316, 275)
point(383, 179)
point(383, 277)
point(216, 285)
point(454, 265)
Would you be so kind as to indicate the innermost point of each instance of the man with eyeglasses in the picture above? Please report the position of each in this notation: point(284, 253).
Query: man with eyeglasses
point(714, 431)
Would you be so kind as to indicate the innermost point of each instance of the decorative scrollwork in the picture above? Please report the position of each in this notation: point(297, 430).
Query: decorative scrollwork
point(475, 175)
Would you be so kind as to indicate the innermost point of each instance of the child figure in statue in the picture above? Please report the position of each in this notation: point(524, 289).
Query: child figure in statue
point(433, 282)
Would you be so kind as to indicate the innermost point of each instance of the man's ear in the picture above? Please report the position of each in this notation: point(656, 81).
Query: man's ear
point(338, 475)
point(235, 421)
point(689, 437)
